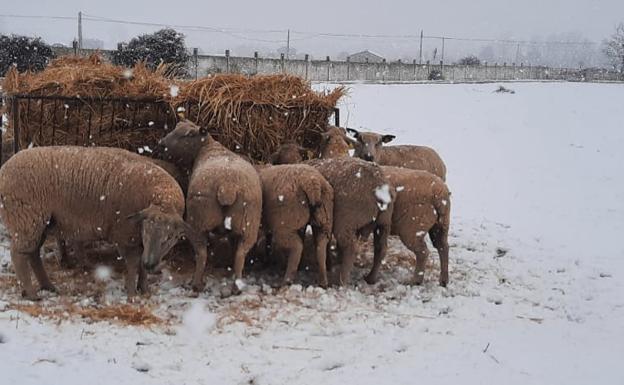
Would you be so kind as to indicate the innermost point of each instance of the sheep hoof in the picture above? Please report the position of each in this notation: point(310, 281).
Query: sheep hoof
point(371, 279)
point(49, 287)
point(197, 287)
point(31, 297)
point(68, 264)
point(236, 290)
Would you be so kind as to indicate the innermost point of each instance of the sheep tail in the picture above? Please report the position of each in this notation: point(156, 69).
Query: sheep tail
point(321, 200)
point(226, 194)
point(313, 192)
point(442, 205)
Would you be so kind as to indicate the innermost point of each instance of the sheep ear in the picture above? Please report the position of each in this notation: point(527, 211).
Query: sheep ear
point(355, 133)
point(274, 157)
point(387, 138)
point(192, 235)
point(138, 216)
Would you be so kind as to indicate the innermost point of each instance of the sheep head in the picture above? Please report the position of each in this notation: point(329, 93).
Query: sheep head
point(335, 143)
point(160, 231)
point(289, 153)
point(183, 143)
point(367, 144)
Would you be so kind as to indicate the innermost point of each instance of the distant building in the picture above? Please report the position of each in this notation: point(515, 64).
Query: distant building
point(365, 56)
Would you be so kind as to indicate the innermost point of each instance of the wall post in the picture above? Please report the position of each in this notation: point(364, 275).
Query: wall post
point(307, 64)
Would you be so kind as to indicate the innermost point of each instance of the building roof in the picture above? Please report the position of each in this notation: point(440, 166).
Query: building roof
point(367, 52)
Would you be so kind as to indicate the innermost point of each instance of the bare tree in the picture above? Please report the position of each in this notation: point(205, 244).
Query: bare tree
point(614, 48)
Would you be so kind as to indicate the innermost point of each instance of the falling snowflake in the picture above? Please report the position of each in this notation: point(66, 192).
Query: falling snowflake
point(227, 223)
point(383, 194)
point(173, 90)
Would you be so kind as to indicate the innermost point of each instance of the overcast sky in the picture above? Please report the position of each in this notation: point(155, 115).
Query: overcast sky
point(524, 19)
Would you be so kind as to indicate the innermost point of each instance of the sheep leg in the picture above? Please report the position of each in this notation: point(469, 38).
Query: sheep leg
point(439, 238)
point(348, 249)
point(201, 258)
point(418, 246)
point(65, 260)
point(133, 261)
point(321, 240)
point(380, 241)
point(42, 277)
point(291, 242)
point(143, 283)
point(245, 244)
point(20, 263)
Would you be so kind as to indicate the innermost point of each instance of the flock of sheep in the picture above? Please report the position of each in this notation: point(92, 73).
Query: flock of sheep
point(80, 195)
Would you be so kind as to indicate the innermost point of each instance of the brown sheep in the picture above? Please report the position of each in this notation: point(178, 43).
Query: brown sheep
point(369, 146)
point(89, 194)
point(363, 202)
point(334, 143)
point(288, 153)
point(224, 193)
point(422, 207)
point(294, 196)
point(79, 248)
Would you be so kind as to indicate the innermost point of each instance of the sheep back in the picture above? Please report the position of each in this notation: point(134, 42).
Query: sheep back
point(355, 183)
point(223, 185)
point(294, 195)
point(413, 157)
point(423, 200)
point(86, 192)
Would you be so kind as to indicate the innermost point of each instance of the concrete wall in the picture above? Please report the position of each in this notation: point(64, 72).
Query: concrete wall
point(324, 70)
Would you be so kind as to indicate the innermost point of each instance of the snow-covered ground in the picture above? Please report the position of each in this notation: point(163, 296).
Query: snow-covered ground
point(535, 293)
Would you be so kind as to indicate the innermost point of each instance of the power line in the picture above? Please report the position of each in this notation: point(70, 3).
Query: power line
point(40, 17)
point(307, 35)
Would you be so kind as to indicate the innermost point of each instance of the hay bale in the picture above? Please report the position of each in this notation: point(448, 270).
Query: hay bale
point(94, 119)
point(254, 115)
point(250, 115)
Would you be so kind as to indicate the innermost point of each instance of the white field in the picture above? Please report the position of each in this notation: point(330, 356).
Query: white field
point(537, 174)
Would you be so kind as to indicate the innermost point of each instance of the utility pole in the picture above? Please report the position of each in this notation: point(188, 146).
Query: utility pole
point(442, 49)
point(420, 50)
point(288, 44)
point(80, 30)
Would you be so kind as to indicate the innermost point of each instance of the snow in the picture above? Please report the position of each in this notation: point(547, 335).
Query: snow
point(535, 293)
point(383, 194)
point(103, 273)
point(173, 90)
point(227, 223)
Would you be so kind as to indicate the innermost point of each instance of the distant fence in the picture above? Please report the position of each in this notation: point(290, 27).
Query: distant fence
point(341, 71)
